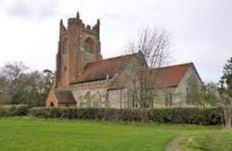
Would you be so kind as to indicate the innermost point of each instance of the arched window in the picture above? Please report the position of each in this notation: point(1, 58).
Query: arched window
point(89, 45)
point(168, 99)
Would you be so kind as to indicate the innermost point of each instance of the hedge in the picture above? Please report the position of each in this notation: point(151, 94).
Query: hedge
point(14, 110)
point(199, 116)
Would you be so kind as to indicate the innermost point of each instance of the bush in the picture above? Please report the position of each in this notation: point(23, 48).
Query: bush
point(200, 116)
point(14, 110)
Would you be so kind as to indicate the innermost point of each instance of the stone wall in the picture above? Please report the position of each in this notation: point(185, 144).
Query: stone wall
point(91, 94)
point(91, 98)
point(113, 93)
point(118, 98)
point(179, 93)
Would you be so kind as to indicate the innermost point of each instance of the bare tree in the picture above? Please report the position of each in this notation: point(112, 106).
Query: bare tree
point(154, 45)
point(14, 70)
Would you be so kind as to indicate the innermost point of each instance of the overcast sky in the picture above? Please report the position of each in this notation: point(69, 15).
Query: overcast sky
point(200, 30)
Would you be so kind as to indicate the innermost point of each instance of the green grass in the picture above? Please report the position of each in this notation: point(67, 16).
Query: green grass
point(30, 134)
point(215, 140)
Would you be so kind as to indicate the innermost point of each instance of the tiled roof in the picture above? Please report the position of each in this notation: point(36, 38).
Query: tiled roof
point(170, 76)
point(100, 69)
point(64, 96)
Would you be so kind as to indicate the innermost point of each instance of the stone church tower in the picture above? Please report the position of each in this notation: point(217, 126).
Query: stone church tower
point(78, 45)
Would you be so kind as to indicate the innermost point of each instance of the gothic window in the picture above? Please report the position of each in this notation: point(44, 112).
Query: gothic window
point(168, 99)
point(88, 99)
point(63, 46)
point(89, 45)
point(192, 90)
point(107, 98)
point(96, 104)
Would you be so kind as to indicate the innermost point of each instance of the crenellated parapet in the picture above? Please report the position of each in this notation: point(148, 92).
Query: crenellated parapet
point(76, 21)
point(79, 43)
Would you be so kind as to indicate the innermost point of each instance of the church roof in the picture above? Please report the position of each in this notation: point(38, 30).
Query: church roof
point(170, 76)
point(99, 70)
point(64, 96)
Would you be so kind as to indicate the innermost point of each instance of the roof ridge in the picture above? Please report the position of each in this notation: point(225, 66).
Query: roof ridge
point(112, 58)
point(101, 68)
point(171, 76)
point(174, 65)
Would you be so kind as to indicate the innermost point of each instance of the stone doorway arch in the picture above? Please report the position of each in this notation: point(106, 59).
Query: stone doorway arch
point(51, 104)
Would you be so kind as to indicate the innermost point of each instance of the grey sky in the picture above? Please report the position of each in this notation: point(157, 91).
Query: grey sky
point(200, 30)
point(29, 9)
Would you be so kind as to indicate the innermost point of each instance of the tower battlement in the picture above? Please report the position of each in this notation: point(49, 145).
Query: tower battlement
point(76, 21)
point(79, 43)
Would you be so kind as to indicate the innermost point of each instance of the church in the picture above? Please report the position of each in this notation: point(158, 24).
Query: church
point(84, 79)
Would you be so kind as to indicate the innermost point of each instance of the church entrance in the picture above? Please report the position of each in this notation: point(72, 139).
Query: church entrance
point(51, 104)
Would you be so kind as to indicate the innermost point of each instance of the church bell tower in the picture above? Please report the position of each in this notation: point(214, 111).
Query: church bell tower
point(78, 45)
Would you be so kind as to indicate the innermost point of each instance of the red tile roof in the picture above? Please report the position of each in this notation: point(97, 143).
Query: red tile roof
point(170, 76)
point(98, 70)
point(64, 96)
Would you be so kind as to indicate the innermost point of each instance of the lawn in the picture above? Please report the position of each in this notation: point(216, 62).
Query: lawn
point(31, 134)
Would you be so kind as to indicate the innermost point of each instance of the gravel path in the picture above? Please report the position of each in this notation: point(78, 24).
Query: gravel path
point(175, 144)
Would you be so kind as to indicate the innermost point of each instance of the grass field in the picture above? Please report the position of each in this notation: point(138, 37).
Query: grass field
point(30, 134)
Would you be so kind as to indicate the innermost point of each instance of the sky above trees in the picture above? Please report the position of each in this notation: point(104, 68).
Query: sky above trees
point(200, 30)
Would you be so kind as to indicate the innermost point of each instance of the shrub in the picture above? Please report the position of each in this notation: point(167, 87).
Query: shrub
point(14, 110)
point(200, 116)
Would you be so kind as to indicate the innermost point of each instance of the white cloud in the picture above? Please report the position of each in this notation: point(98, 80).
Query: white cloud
point(33, 9)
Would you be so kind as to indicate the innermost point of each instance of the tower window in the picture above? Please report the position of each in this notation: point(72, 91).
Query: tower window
point(89, 45)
